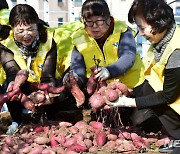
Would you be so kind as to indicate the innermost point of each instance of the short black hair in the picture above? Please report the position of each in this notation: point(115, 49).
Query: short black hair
point(3, 4)
point(157, 13)
point(95, 8)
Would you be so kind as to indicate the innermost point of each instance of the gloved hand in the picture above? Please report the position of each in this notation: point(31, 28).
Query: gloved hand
point(122, 101)
point(66, 77)
point(103, 73)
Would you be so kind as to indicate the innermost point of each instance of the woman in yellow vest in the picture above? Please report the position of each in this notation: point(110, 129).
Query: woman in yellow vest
point(28, 46)
point(161, 90)
point(4, 12)
point(111, 42)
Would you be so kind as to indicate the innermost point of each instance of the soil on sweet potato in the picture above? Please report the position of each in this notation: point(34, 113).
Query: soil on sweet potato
point(71, 116)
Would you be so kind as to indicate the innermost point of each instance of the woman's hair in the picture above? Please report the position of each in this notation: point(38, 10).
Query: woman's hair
point(95, 8)
point(3, 4)
point(157, 13)
point(25, 14)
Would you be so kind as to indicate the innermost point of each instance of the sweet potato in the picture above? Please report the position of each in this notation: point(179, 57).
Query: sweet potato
point(101, 139)
point(41, 140)
point(97, 101)
point(93, 149)
point(138, 143)
point(53, 140)
point(112, 137)
point(37, 149)
point(21, 78)
point(79, 136)
point(8, 141)
point(55, 90)
point(37, 97)
point(81, 124)
point(47, 87)
point(7, 96)
point(91, 85)
point(88, 143)
point(122, 87)
point(70, 141)
point(60, 139)
point(39, 129)
point(77, 148)
point(65, 124)
point(73, 87)
point(96, 125)
point(111, 95)
point(39, 86)
point(27, 103)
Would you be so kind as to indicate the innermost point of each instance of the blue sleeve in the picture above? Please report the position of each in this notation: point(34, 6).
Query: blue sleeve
point(78, 64)
point(126, 54)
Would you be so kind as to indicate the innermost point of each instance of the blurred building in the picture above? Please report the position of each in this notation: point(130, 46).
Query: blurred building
point(57, 12)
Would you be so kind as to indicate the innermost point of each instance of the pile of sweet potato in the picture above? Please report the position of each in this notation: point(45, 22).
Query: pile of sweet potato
point(64, 137)
point(111, 93)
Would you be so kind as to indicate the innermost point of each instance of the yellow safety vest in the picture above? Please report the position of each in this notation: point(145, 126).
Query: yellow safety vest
point(4, 17)
point(154, 72)
point(88, 47)
point(37, 64)
point(64, 45)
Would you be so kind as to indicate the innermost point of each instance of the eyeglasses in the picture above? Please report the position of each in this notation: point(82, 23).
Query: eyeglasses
point(91, 23)
point(28, 31)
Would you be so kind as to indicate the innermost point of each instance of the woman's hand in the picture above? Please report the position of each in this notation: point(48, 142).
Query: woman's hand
point(122, 101)
point(103, 73)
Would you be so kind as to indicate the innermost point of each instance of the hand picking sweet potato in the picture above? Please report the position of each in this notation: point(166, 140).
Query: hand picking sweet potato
point(37, 97)
point(73, 86)
point(47, 87)
point(21, 78)
point(7, 96)
point(27, 103)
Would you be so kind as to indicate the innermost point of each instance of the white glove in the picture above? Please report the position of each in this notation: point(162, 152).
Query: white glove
point(103, 73)
point(122, 101)
point(66, 76)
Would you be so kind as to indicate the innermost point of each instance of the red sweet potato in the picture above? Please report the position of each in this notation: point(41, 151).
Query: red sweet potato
point(77, 148)
point(36, 149)
point(37, 97)
point(101, 139)
point(97, 101)
point(73, 86)
point(60, 139)
point(41, 140)
point(40, 86)
point(7, 96)
point(122, 87)
point(21, 78)
point(27, 103)
point(39, 129)
point(65, 124)
point(70, 141)
point(55, 90)
point(138, 142)
point(96, 125)
point(91, 85)
point(53, 140)
point(111, 95)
